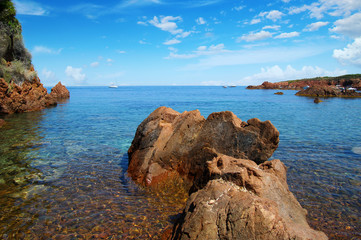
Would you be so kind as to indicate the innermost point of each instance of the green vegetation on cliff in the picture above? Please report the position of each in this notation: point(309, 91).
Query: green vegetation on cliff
point(15, 59)
point(343, 77)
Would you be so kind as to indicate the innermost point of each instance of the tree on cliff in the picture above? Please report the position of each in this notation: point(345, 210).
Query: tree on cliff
point(15, 62)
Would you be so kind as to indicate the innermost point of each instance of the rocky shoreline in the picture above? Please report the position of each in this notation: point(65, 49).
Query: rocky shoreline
point(345, 81)
point(235, 193)
point(20, 86)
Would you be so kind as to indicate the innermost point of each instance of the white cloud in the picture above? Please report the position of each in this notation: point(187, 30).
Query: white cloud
point(239, 8)
point(200, 21)
point(315, 26)
point(350, 26)
point(350, 54)
point(331, 7)
point(30, 8)
point(94, 64)
point(120, 51)
point(255, 21)
point(167, 23)
point(142, 23)
point(273, 15)
point(288, 35)
point(286, 1)
point(201, 51)
point(75, 73)
point(48, 75)
point(273, 27)
point(256, 56)
point(255, 36)
point(109, 60)
point(276, 74)
point(172, 42)
point(45, 50)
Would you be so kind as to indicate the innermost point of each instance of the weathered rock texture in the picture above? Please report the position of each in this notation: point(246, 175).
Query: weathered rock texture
point(243, 200)
point(60, 92)
point(2, 122)
point(20, 87)
point(327, 91)
point(168, 143)
point(232, 197)
point(344, 81)
point(30, 96)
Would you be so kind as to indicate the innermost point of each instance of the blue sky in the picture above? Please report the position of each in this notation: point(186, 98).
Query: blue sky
point(199, 42)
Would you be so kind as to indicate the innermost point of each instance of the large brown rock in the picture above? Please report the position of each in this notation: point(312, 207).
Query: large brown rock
point(243, 200)
point(169, 143)
point(60, 92)
point(30, 96)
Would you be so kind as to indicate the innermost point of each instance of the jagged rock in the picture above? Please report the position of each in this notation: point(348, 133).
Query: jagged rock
point(326, 91)
point(60, 92)
point(243, 200)
point(168, 143)
point(31, 96)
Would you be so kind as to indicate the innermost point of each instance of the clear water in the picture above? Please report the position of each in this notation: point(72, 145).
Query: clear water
point(63, 170)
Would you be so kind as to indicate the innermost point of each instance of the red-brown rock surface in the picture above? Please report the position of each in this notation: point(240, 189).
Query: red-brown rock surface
point(60, 92)
point(30, 96)
point(345, 81)
point(168, 143)
point(232, 197)
point(2, 122)
point(327, 91)
point(243, 200)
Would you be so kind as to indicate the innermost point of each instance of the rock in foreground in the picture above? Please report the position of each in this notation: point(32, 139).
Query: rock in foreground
point(243, 200)
point(232, 197)
point(168, 144)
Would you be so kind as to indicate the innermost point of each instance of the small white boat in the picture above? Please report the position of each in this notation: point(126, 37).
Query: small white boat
point(224, 86)
point(113, 86)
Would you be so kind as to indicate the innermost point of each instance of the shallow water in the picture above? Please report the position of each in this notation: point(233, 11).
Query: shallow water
point(63, 170)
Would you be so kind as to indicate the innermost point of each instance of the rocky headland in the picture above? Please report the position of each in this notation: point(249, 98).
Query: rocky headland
point(235, 193)
point(352, 80)
point(20, 86)
point(327, 91)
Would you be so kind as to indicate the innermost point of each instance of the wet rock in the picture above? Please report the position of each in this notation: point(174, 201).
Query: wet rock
point(168, 144)
point(278, 93)
point(243, 200)
point(60, 92)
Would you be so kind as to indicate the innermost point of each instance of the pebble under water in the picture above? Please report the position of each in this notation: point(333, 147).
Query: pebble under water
point(63, 169)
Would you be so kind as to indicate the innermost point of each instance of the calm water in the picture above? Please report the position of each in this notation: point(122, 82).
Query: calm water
point(63, 170)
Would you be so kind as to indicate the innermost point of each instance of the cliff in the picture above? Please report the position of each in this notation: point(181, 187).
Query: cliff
point(352, 80)
point(20, 87)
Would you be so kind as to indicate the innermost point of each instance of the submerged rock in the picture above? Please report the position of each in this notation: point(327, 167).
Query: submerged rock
point(278, 93)
point(317, 100)
point(168, 143)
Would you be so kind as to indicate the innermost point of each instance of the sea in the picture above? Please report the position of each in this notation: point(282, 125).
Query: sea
point(63, 170)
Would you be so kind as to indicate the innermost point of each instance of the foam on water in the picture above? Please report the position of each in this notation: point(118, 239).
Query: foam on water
point(356, 150)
